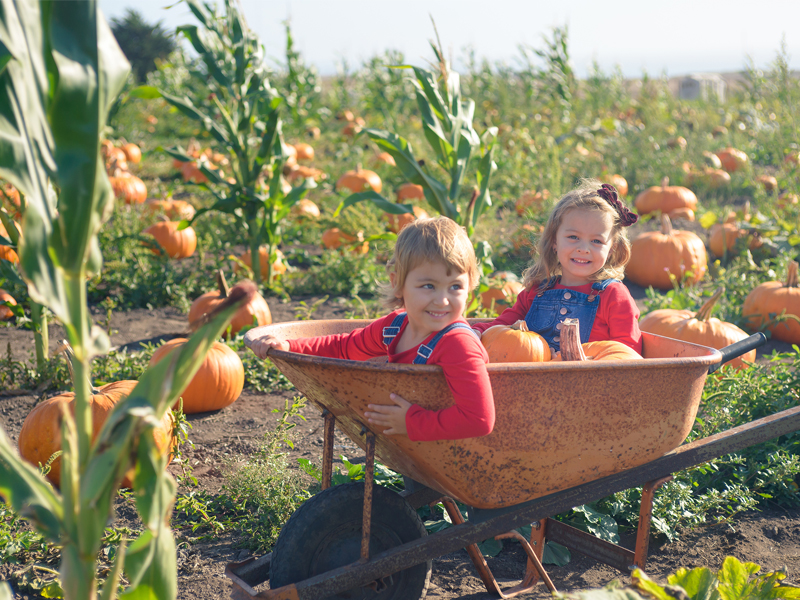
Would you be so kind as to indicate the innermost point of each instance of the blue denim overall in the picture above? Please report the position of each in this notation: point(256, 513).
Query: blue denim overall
point(425, 350)
point(551, 307)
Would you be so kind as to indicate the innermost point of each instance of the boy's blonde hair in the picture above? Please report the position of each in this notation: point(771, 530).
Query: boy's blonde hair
point(439, 240)
point(583, 197)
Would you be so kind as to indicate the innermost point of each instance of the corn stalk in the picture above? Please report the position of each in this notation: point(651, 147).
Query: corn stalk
point(60, 70)
point(447, 124)
point(242, 115)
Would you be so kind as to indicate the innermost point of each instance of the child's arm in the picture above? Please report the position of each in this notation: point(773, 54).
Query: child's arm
point(510, 315)
point(621, 316)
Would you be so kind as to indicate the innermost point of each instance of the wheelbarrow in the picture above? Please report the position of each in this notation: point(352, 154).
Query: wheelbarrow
point(566, 434)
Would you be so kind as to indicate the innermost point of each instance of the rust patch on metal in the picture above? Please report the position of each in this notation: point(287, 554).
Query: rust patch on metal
point(327, 448)
point(369, 480)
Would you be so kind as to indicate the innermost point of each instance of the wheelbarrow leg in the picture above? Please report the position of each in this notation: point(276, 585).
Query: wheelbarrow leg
point(369, 480)
point(485, 573)
point(645, 516)
point(327, 448)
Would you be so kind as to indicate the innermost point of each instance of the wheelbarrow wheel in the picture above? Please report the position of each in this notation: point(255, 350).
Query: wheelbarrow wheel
point(325, 533)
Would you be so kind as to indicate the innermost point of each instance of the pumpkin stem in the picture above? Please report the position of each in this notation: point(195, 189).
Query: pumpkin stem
point(791, 275)
point(520, 325)
point(664, 182)
point(67, 350)
point(704, 314)
point(571, 341)
point(222, 284)
point(666, 225)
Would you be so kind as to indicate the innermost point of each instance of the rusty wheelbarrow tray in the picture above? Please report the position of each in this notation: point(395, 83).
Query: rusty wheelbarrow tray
point(566, 434)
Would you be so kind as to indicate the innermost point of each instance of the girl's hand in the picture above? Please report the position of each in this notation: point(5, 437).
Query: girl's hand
point(393, 417)
point(261, 346)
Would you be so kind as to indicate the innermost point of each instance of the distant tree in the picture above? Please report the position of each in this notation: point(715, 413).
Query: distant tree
point(142, 42)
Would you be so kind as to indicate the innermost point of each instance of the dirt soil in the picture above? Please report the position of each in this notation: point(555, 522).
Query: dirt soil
point(770, 538)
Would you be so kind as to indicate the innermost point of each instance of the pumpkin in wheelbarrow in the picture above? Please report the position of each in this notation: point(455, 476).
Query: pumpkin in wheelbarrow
point(558, 424)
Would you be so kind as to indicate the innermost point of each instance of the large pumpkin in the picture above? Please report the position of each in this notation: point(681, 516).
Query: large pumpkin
point(698, 328)
point(655, 255)
point(775, 298)
point(306, 208)
point(132, 153)
point(40, 436)
point(217, 383)
point(573, 350)
point(514, 344)
point(360, 180)
point(732, 159)
point(665, 198)
point(177, 243)
point(723, 238)
point(304, 151)
point(410, 191)
point(129, 188)
point(278, 267)
point(334, 238)
point(5, 312)
point(257, 309)
point(395, 223)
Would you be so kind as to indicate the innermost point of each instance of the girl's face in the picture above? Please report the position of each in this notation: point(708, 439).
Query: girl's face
point(583, 241)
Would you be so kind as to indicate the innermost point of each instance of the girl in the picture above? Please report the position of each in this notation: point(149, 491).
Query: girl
point(431, 273)
point(581, 258)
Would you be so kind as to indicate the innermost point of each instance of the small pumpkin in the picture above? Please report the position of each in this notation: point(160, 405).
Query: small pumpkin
point(278, 267)
point(531, 200)
point(359, 180)
point(129, 188)
point(40, 436)
point(787, 199)
point(697, 328)
point(503, 291)
point(723, 238)
point(655, 255)
point(619, 182)
point(793, 158)
point(665, 198)
point(5, 312)
point(395, 223)
point(573, 350)
point(7, 253)
point(354, 127)
point(514, 343)
point(682, 213)
point(172, 209)
point(732, 159)
point(217, 384)
point(257, 309)
point(768, 182)
point(176, 243)
point(314, 132)
point(719, 131)
point(304, 151)
point(132, 153)
point(678, 142)
point(774, 298)
point(713, 178)
point(306, 208)
point(334, 238)
point(302, 172)
point(11, 199)
point(410, 191)
point(384, 158)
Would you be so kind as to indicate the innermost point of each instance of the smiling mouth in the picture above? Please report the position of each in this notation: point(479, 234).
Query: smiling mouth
point(581, 262)
point(437, 314)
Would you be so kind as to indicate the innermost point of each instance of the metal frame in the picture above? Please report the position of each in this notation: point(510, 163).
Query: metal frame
point(373, 570)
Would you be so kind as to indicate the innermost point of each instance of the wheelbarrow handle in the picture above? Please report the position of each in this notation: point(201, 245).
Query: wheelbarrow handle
point(741, 347)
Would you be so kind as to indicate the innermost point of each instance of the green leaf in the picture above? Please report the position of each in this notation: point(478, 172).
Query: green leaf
point(145, 92)
point(556, 554)
point(490, 547)
point(699, 583)
point(643, 583)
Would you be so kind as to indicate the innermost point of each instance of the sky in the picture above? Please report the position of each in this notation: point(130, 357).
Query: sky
point(672, 38)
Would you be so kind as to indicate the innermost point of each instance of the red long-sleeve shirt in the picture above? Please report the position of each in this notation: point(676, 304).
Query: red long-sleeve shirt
point(617, 316)
point(462, 358)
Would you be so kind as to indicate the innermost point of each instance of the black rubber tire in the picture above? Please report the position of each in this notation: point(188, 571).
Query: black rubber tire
point(325, 533)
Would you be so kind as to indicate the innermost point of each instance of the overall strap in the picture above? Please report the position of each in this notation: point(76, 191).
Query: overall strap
point(390, 332)
point(546, 285)
point(599, 286)
point(425, 350)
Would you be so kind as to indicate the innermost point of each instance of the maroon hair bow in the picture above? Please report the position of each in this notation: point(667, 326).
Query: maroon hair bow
point(609, 194)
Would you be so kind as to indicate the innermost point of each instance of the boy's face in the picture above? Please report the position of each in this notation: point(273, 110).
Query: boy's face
point(433, 298)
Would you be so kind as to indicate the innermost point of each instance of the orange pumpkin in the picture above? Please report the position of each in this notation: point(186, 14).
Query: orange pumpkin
point(503, 292)
point(306, 208)
point(40, 436)
point(678, 142)
point(334, 238)
point(176, 243)
point(697, 328)
point(573, 350)
point(410, 191)
point(713, 178)
point(712, 160)
point(278, 267)
point(304, 151)
point(682, 213)
point(775, 298)
point(257, 308)
point(5, 312)
point(665, 198)
point(129, 188)
point(172, 209)
point(313, 132)
point(217, 384)
point(386, 159)
point(354, 127)
point(619, 182)
point(516, 343)
point(298, 172)
point(396, 223)
point(723, 238)
point(359, 180)
point(769, 182)
point(531, 200)
point(793, 158)
point(732, 159)
point(787, 199)
point(655, 255)
point(132, 153)
point(6, 253)
point(12, 200)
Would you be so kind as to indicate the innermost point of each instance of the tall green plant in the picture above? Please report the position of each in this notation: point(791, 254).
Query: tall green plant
point(242, 115)
point(447, 124)
point(60, 70)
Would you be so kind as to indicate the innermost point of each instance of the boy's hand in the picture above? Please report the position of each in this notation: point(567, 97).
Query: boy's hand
point(261, 346)
point(393, 417)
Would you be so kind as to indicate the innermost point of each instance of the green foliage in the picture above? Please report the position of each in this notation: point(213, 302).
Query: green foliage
point(142, 43)
point(301, 87)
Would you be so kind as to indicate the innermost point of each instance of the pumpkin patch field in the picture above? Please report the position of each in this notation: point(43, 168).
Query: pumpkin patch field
point(213, 211)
